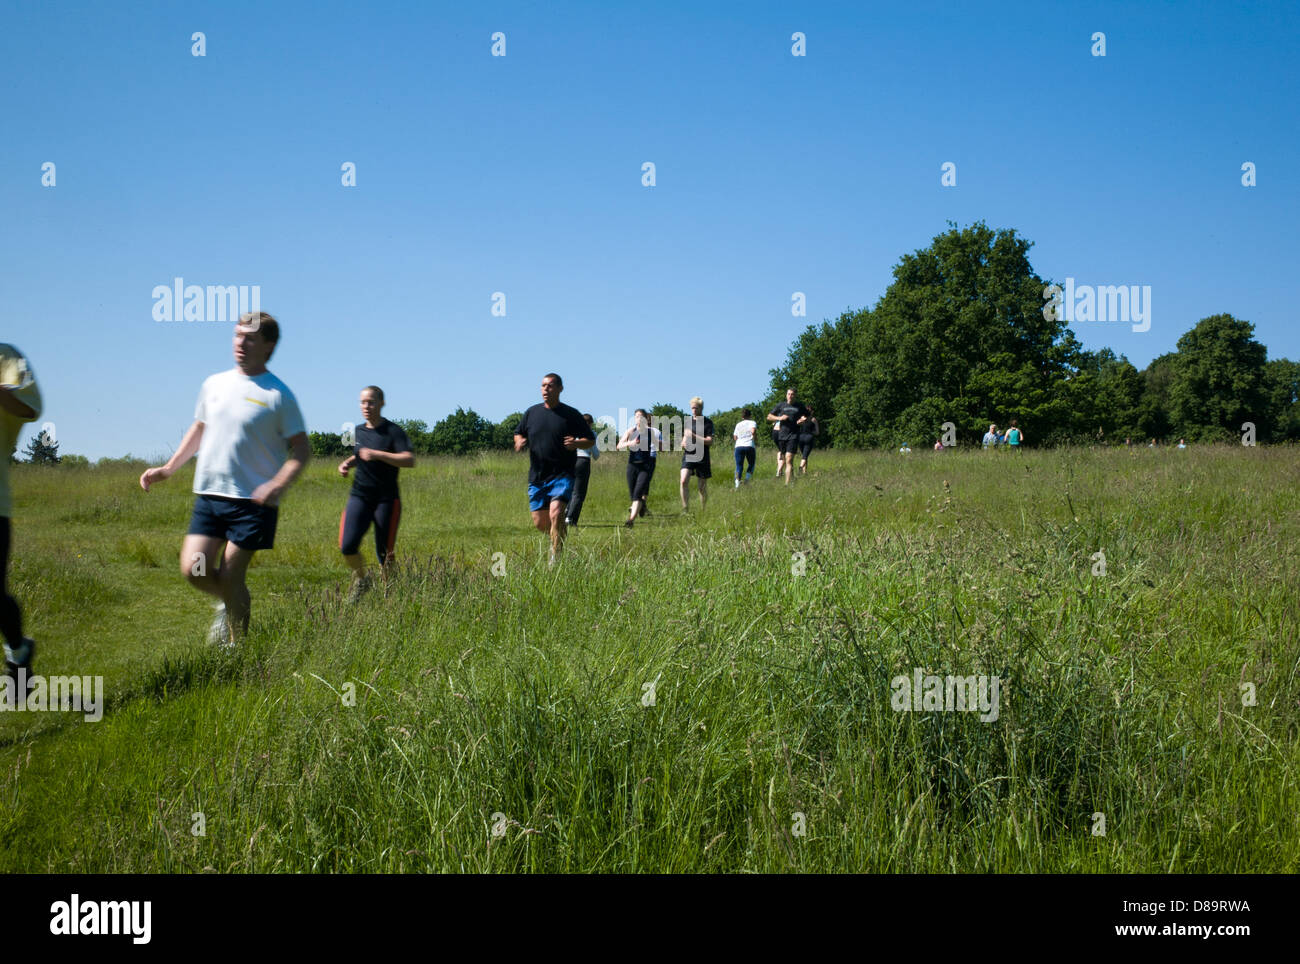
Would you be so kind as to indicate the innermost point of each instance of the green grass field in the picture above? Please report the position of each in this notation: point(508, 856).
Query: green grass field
point(498, 722)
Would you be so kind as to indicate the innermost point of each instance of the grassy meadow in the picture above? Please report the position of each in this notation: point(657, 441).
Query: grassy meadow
point(498, 721)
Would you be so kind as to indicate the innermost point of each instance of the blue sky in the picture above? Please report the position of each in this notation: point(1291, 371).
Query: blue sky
point(522, 174)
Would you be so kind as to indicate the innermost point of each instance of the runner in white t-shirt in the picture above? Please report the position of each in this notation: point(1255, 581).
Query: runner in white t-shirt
point(746, 450)
point(20, 403)
point(245, 420)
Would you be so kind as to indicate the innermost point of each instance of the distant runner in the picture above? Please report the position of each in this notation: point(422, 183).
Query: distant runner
point(640, 442)
point(697, 439)
point(746, 451)
point(381, 449)
point(788, 416)
point(553, 433)
point(809, 430)
point(582, 477)
point(20, 402)
point(244, 421)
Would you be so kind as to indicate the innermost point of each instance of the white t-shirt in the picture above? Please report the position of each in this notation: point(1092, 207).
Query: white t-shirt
point(247, 422)
point(744, 433)
point(15, 372)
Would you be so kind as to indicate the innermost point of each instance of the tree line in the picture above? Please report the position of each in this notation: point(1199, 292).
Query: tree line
point(963, 334)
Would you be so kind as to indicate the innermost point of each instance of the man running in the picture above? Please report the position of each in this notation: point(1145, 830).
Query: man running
point(553, 433)
point(697, 437)
point(20, 402)
point(381, 449)
point(244, 420)
point(788, 416)
point(582, 477)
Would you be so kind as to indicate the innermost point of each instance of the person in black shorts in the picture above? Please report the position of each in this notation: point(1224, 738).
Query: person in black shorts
point(553, 433)
point(807, 432)
point(381, 449)
point(697, 437)
point(20, 402)
point(639, 440)
point(251, 442)
point(789, 417)
point(581, 477)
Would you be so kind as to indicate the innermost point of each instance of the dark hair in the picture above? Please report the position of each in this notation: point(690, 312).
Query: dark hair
point(377, 390)
point(558, 380)
point(587, 416)
point(745, 413)
point(264, 323)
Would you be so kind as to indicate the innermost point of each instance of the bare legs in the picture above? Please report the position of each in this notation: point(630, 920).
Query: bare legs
point(550, 519)
point(199, 564)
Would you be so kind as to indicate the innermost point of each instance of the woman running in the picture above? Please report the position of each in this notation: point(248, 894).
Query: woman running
point(381, 449)
point(639, 439)
point(807, 430)
point(746, 451)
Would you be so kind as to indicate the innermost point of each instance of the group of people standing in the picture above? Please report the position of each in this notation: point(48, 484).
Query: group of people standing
point(1012, 437)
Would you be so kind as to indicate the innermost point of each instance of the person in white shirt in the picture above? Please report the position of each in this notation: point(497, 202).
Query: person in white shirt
point(581, 477)
point(20, 402)
point(643, 442)
point(746, 450)
point(245, 421)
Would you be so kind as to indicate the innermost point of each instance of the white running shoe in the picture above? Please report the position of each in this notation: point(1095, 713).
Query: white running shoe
point(21, 657)
point(219, 631)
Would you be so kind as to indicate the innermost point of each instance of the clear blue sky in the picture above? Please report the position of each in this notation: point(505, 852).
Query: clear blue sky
point(522, 174)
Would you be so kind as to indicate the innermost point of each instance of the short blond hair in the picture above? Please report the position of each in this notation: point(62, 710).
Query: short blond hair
point(697, 401)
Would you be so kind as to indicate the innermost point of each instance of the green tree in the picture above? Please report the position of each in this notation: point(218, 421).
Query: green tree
point(667, 410)
point(328, 445)
point(503, 433)
point(1218, 380)
point(42, 450)
point(1153, 419)
point(960, 335)
point(1282, 394)
point(417, 433)
point(1105, 394)
point(462, 432)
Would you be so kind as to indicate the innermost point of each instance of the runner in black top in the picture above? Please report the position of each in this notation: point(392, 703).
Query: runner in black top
point(807, 431)
point(553, 433)
point(639, 439)
point(788, 415)
point(381, 448)
point(697, 437)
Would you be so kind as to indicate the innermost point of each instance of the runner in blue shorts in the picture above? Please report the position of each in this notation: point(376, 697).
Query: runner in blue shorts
point(553, 432)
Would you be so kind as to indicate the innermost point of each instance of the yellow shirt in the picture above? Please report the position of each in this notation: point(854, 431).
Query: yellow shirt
point(15, 372)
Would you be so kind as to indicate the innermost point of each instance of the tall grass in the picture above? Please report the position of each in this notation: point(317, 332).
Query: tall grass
point(461, 721)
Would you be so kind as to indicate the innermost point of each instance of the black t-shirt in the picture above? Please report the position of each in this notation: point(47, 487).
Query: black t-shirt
point(545, 429)
point(697, 453)
point(377, 481)
point(808, 429)
point(795, 410)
